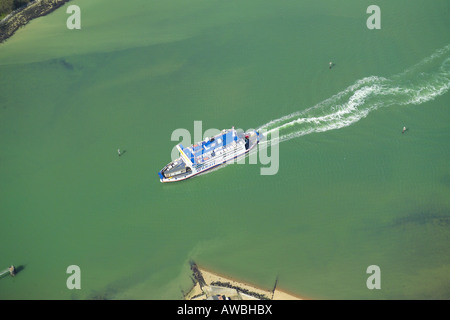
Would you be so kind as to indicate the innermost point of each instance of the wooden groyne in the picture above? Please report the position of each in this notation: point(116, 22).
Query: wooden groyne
point(197, 274)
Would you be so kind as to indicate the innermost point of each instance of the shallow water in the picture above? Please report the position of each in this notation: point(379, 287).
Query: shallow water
point(351, 190)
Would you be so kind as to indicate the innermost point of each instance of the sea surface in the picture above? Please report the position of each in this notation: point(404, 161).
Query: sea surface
point(351, 190)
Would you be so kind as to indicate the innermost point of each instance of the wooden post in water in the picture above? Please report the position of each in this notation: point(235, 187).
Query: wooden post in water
point(274, 287)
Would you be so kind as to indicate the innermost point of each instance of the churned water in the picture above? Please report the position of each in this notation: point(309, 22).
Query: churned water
point(351, 189)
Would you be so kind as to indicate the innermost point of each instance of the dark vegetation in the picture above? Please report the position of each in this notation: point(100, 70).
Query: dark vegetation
point(7, 6)
point(22, 12)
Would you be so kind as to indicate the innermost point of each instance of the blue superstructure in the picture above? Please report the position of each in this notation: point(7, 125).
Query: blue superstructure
point(203, 150)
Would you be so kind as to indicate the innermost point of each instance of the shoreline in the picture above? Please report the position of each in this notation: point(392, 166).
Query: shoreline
point(20, 17)
point(214, 280)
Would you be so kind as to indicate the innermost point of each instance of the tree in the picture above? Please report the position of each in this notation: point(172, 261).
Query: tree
point(19, 3)
point(6, 6)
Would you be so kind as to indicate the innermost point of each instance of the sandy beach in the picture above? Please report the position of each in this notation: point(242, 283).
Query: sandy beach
point(214, 278)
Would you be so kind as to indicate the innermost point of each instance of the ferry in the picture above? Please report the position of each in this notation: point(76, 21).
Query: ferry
point(212, 152)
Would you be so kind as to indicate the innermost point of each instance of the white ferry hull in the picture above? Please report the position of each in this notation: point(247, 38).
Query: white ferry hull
point(196, 169)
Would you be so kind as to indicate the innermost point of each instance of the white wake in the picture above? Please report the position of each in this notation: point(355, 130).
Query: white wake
point(421, 83)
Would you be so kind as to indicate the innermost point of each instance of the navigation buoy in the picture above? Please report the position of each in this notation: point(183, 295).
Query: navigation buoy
point(404, 130)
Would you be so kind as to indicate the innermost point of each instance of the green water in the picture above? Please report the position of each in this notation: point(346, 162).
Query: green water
point(351, 190)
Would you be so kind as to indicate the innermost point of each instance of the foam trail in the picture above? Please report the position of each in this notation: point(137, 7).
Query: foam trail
point(4, 272)
point(421, 83)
